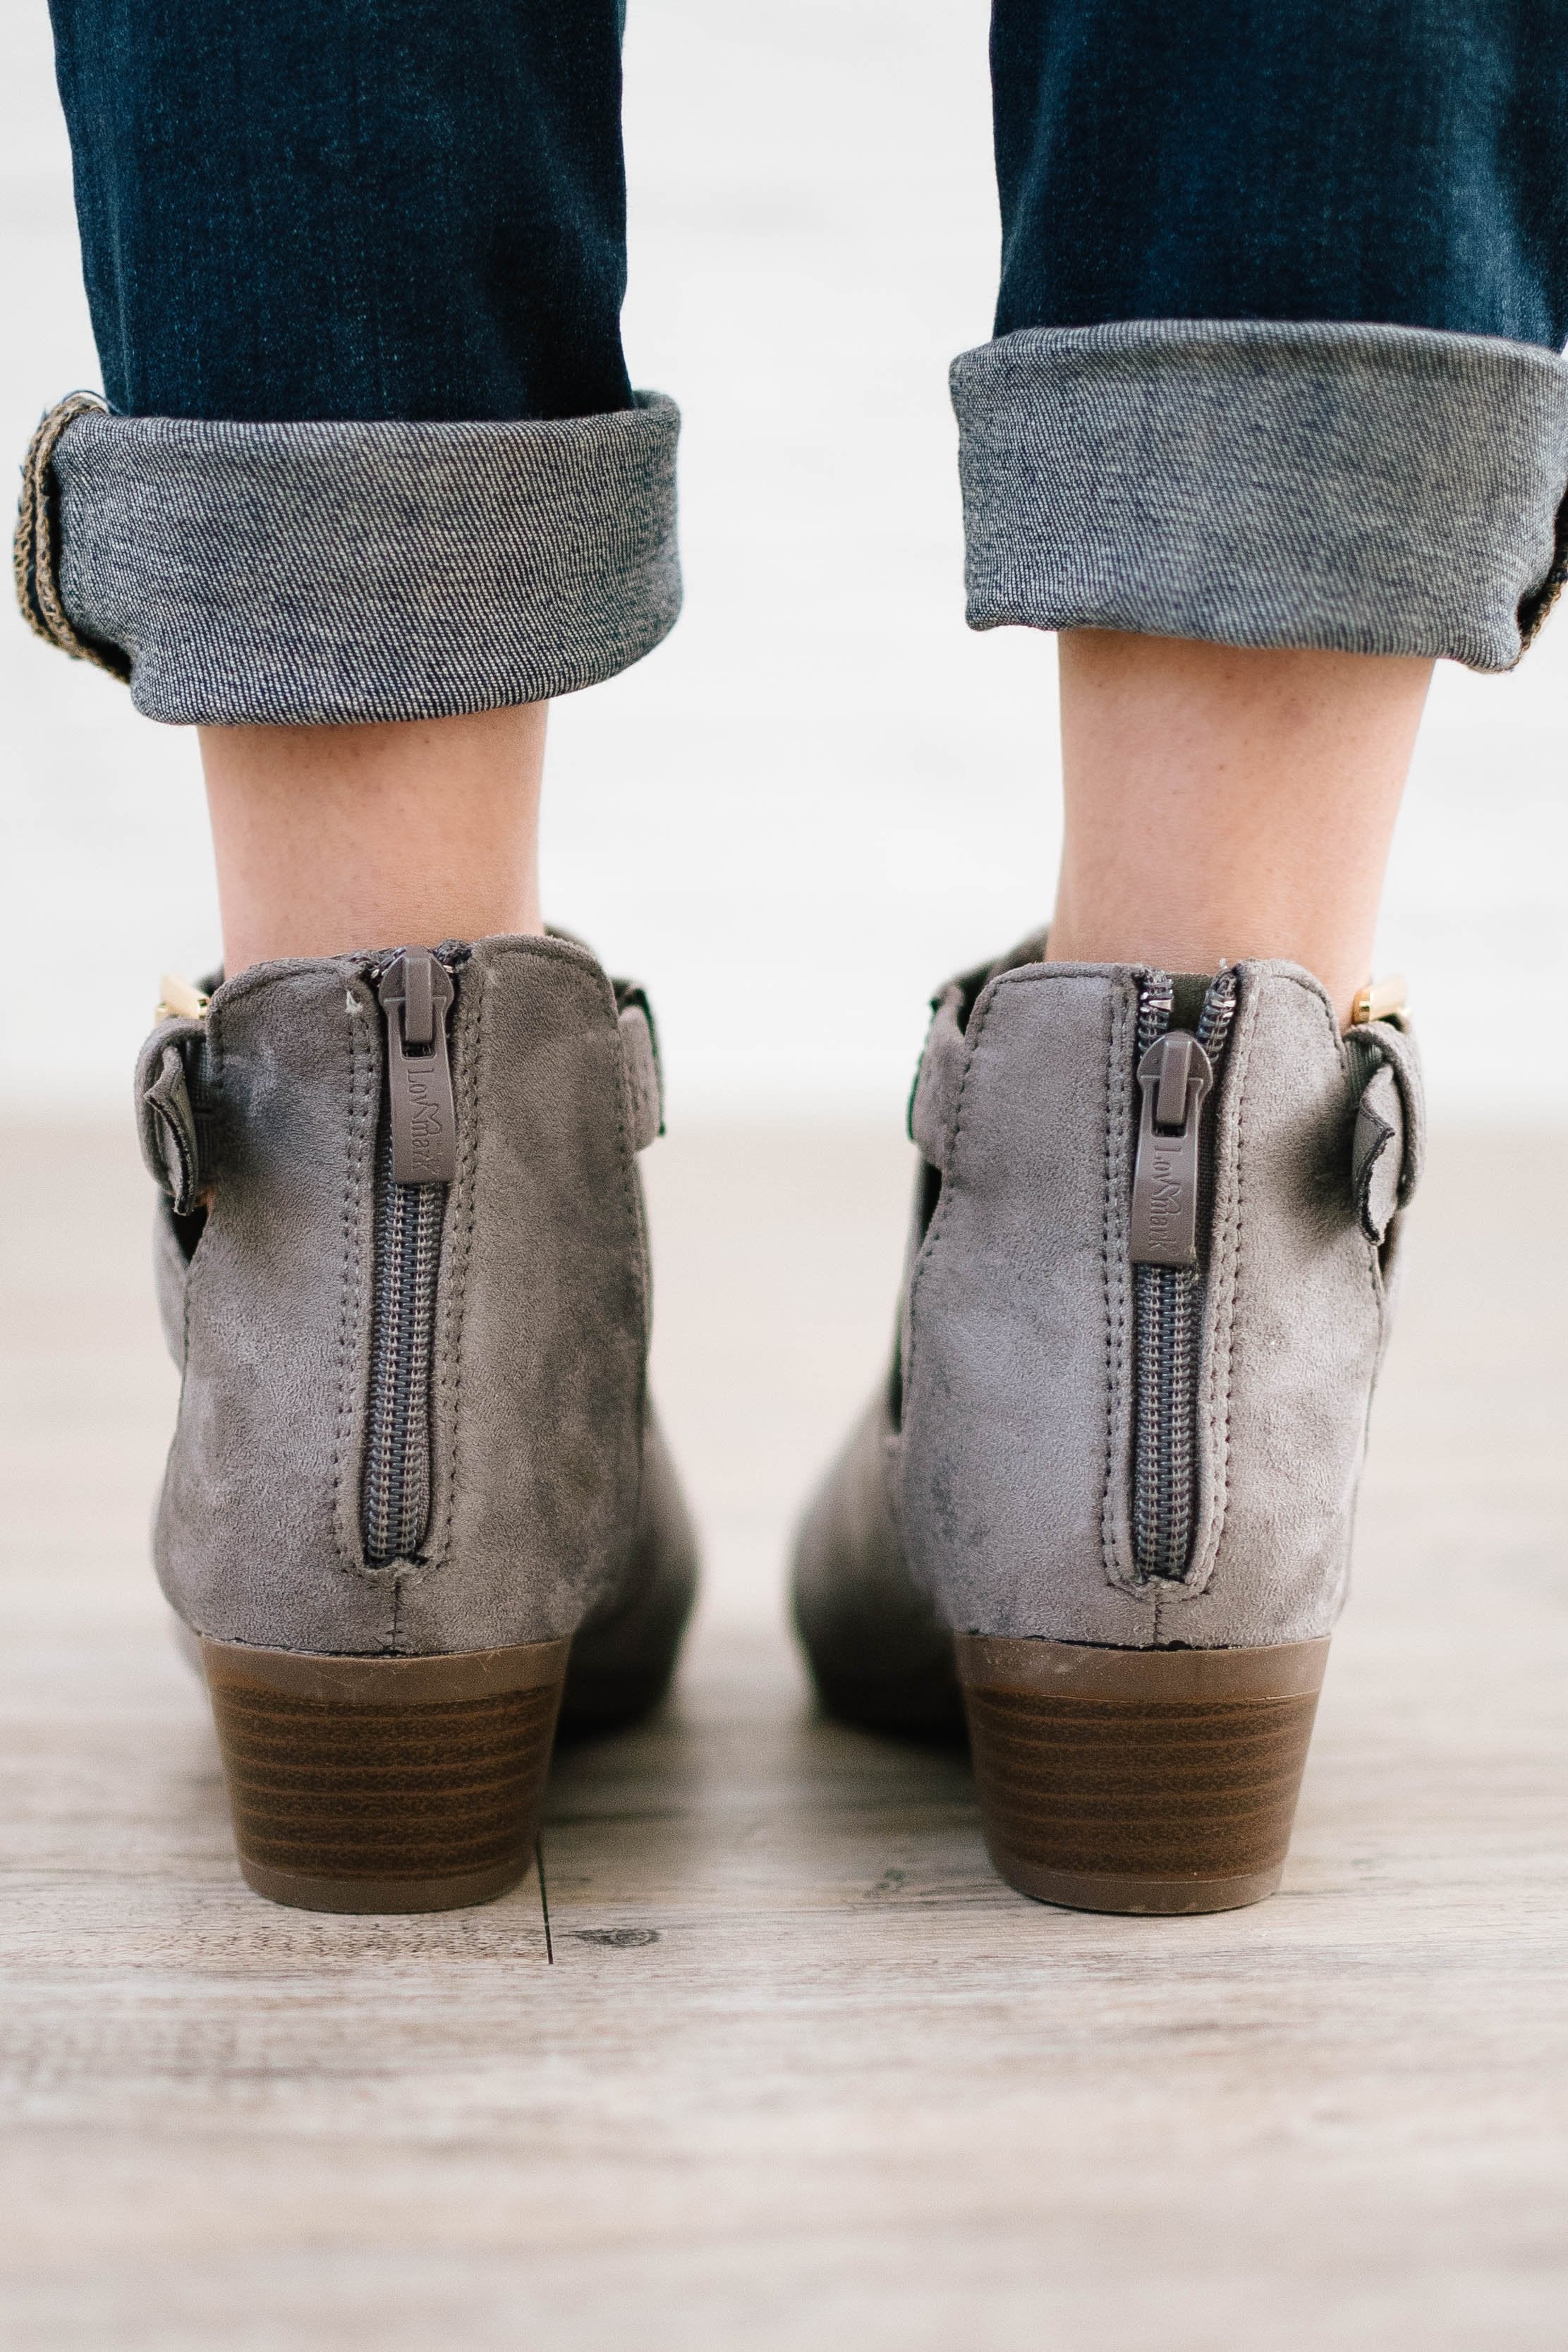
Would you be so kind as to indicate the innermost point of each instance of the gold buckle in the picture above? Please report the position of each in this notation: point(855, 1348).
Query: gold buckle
point(1380, 1000)
point(178, 1001)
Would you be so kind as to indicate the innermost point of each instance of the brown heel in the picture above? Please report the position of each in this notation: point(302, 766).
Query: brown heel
point(384, 1784)
point(1139, 1779)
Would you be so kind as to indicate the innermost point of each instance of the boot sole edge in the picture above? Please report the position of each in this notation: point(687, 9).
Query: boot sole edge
point(384, 1784)
point(1149, 1781)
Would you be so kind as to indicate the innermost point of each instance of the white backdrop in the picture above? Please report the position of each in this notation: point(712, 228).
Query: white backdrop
point(824, 793)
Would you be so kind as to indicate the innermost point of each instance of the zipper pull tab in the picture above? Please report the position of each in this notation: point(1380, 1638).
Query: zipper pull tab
point(1174, 1075)
point(416, 994)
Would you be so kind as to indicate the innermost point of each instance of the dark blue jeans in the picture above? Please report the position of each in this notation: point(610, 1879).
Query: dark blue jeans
point(1397, 160)
point(416, 208)
point(356, 208)
point(1276, 361)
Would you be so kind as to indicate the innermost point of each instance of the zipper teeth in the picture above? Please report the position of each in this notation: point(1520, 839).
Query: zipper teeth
point(1169, 1305)
point(409, 1219)
point(1157, 1003)
point(1218, 1011)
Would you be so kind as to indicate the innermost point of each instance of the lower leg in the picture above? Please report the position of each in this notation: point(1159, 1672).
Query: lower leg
point(1223, 804)
point(334, 838)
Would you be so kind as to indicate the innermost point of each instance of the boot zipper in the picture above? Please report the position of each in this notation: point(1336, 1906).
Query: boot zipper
point(1176, 1075)
point(416, 1160)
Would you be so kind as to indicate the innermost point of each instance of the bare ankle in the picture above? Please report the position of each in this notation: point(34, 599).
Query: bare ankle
point(333, 838)
point(1225, 803)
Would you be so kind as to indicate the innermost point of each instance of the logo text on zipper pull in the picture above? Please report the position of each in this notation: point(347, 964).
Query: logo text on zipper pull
point(416, 994)
point(1175, 1077)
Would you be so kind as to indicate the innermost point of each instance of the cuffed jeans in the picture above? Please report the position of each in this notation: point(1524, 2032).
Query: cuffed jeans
point(1284, 286)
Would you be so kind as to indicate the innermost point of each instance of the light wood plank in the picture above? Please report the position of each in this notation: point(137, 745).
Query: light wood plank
point(803, 2072)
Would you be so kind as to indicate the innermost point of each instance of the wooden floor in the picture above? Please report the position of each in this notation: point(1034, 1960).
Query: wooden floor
point(789, 2070)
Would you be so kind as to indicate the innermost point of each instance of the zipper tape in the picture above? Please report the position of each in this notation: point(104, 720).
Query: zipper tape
point(1176, 1072)
point(416, 1160)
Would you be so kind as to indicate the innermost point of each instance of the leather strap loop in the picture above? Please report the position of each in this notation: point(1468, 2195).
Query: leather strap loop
point(167, 1125)
point(1388, 1147)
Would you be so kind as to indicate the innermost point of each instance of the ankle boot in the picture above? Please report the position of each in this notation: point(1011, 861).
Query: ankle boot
point(1105, 1500)
point(416, 1505)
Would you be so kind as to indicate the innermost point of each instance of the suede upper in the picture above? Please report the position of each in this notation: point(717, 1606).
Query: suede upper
point(1009, 1474)
point(541, 1314)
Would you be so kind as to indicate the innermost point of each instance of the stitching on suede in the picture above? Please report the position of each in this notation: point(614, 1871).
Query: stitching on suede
point(631, 1200)
point(449, 1348)
point(1107, 1546)
point(626, 1157)
point(974, 1034)
point(567, 951)
point(1113, 1276)
point(214, 1078)
point(972, 1037)
point(637, 1242)
point(350, 1287)
point(1243, 1162)
point(1224, 1282)
point(450, 1353)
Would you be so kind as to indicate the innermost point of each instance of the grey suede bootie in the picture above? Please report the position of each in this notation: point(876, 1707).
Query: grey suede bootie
point(1103, 1508)
point(415, 1505)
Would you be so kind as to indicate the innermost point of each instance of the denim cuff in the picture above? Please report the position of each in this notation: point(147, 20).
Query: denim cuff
point(1366, 488)
point(327, 574)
